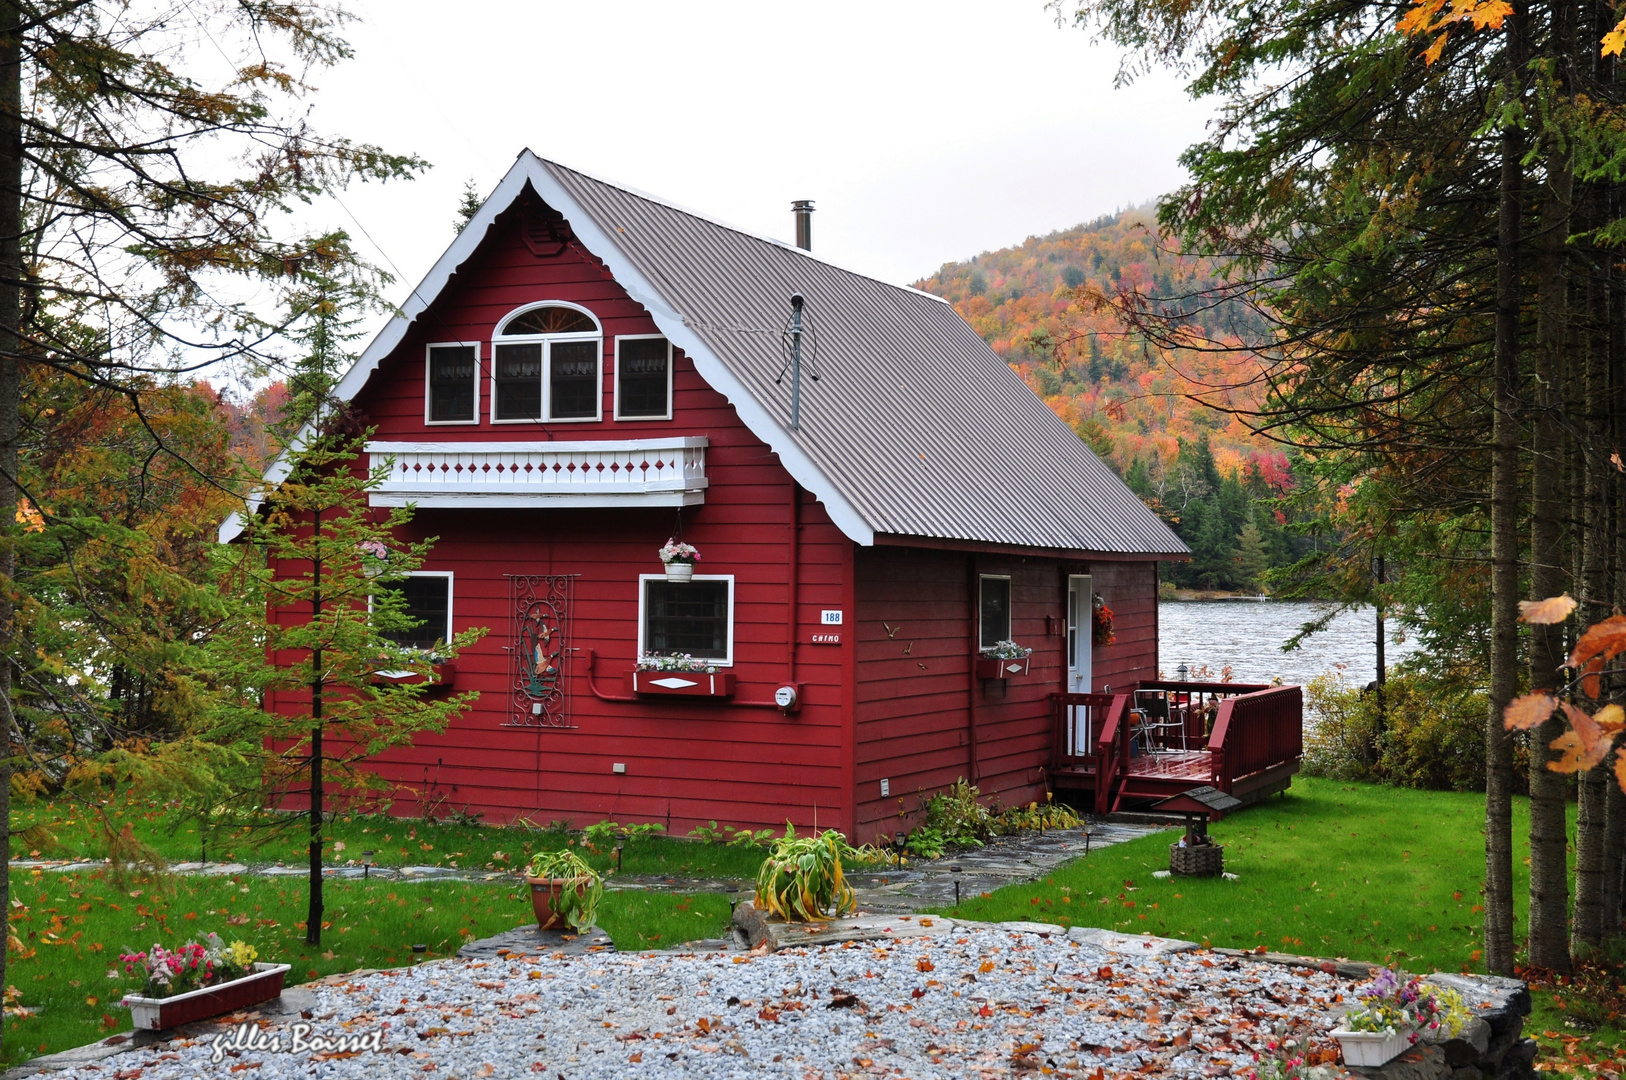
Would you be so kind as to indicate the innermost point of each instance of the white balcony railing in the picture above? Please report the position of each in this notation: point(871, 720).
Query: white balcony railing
point(610, 472)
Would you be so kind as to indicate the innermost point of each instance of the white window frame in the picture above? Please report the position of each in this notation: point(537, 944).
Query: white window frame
point(451, 598)
point(1010, 611)
point(547, 341)
point(643, 604)
point(428, 389)
point(669, 366)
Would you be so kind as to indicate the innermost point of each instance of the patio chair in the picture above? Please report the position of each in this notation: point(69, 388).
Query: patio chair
point(1158, 730)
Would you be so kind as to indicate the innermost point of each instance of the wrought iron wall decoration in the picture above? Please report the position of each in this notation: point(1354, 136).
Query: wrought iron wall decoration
point(539, 650)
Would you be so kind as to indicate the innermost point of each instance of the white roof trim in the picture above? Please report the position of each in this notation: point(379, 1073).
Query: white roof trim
point(530, 168)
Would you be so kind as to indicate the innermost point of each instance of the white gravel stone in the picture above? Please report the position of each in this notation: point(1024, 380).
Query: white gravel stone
point(981, 1002)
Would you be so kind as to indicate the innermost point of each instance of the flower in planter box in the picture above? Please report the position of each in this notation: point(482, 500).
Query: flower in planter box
point(1007, 650)
point(167, 972)
point(675, 662)
point(1388, 1005)
point(675, 551)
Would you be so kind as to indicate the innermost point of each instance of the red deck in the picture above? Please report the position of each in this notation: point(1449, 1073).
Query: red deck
point(1162, 738)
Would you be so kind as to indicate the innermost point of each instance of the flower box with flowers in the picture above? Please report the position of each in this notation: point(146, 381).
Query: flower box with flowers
point(442, 676)
point(1389, 1015)
point(679, 675)
point(198, 981)
point(1004, 660)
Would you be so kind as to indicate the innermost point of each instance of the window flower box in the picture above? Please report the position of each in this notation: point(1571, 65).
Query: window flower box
point(443, 676)
point(1371, 1048)
point(717, 684)
point(993, 667)
point(159, 1014)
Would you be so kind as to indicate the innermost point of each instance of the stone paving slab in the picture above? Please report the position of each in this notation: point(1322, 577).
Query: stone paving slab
point(530, 940)
point(1129, 944)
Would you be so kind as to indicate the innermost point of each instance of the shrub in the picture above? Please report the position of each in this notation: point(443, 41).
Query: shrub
point(1427, 734)
point(1046, 815)
point(958, 816)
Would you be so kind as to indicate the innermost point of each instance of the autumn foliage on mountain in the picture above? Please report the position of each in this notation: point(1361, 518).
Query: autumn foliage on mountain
point(1159, 419)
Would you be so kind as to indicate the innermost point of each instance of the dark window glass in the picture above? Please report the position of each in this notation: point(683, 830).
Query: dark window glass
point(691, 617)
point(451, 383)
point(550, 320)
point(574, 387)
point(428, 602)
point(641, 369)
point(518, 381)
point(996, 611)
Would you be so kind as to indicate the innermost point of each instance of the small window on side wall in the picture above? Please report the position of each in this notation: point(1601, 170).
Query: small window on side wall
point(694, 617)
point(452, 384)
point(994, 605)
point(427, 602)
point(643, 378)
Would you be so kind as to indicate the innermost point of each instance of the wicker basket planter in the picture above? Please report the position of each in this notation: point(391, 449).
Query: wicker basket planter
point(159, 1014)
point(1197, 860)
point(1371, 1047)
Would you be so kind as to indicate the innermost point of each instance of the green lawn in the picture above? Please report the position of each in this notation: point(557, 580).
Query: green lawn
point(77, 831)
point(1329, 869)
point(77, 924)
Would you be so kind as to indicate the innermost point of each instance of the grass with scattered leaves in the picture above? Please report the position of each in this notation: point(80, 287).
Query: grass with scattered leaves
point(75, 926)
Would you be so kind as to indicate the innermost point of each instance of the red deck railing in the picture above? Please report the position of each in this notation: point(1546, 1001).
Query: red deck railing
point(1255, 733)
point(1247, 732)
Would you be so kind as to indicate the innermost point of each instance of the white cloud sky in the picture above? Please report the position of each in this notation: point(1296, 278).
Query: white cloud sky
point(924, 132)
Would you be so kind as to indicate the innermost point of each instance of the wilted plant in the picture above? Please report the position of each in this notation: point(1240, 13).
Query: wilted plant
point(581, 889)
point(801, 878)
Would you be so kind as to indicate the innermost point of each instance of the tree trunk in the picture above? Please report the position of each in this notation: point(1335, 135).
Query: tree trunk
point(1377, 603)
point(11, 352)
point(313, 913)
point(1591, 830)
point(1549, 832)
point(1504, 511)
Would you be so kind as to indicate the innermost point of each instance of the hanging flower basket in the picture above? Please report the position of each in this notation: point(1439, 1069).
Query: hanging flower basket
point(375, 557)
point(1103, 623)
point(679, 559)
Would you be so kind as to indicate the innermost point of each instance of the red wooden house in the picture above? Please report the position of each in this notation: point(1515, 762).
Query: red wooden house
point(587, 372)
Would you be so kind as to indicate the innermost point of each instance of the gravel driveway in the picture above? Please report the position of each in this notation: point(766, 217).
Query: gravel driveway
point(979, 1003)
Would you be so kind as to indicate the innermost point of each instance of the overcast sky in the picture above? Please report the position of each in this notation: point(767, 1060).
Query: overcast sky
point(925, 132)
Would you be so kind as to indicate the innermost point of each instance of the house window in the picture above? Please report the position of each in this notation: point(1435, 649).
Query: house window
point(427, 599)
point(695, 617)
point(453, 384)
point(643, 378)
point(547, 364)
point(995, 611)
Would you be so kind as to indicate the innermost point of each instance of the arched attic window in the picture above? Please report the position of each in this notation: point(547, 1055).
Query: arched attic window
point(547, 363)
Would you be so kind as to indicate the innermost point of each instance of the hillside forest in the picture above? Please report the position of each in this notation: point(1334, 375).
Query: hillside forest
point(1236, 499)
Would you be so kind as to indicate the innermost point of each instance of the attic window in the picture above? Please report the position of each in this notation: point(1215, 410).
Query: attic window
point(643, 378)
point(547, 364)
point(452, 391)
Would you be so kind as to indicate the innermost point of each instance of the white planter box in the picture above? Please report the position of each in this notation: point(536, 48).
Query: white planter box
point(1371, 1047)
point(159, 1014)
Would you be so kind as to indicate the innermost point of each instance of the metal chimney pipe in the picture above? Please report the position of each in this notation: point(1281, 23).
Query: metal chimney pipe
point(803, 209)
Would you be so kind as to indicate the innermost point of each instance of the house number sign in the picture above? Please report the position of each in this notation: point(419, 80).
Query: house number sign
point(830, 618)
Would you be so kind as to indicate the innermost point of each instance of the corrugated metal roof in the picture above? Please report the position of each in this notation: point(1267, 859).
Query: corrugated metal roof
point(914, 419)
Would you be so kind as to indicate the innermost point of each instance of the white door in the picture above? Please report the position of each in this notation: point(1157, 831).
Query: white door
point(1080, 641)
point(1080, 633)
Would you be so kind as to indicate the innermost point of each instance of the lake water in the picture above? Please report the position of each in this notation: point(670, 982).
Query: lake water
point(1248, 635)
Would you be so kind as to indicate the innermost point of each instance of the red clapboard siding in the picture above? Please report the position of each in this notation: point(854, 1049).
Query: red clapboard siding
point(686, 762)
point(915, 687)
